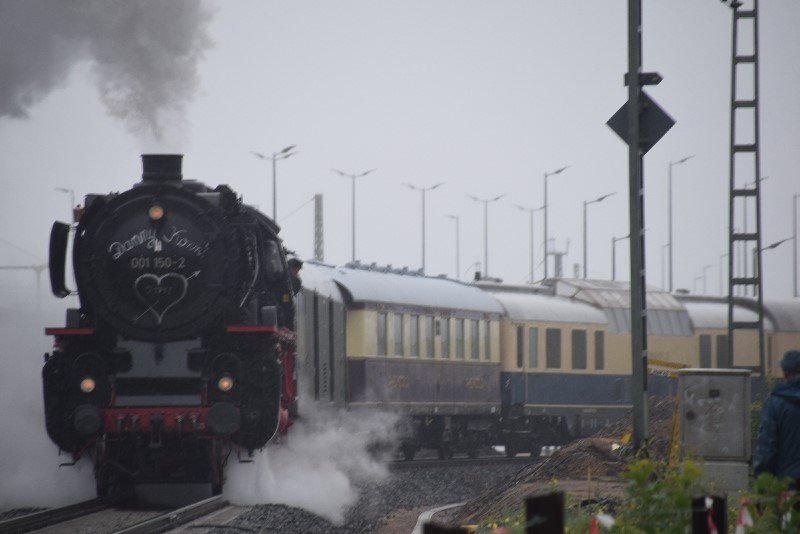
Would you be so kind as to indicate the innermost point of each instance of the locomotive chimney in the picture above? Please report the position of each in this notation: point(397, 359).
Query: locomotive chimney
point(161, 167)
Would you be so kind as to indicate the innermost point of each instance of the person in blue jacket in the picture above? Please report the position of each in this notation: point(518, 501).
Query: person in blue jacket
point(778, 447)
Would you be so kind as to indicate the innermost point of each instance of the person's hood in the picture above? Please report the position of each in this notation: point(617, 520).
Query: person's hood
point(790, 390)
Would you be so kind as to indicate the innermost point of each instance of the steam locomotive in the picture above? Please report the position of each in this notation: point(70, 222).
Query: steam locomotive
point(182, 350)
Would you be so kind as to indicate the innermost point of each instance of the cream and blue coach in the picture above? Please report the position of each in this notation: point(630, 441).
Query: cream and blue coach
point(427, 348)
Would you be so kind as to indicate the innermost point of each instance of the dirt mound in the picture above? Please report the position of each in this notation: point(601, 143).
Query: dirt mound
point(586, 468)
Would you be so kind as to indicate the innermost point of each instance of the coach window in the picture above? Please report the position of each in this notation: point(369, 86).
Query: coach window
point(430, 350)
point(533, 348)
point(382, 340)
point(444, 335)
point(553, 348)
point(599, 350)
point(520, 346)
point(474, 342)
point(459, 339)
point(487, 340)
point(413, 334)
point(579, 349)
point(398, 334)
point(723, 358)
point(705, 351)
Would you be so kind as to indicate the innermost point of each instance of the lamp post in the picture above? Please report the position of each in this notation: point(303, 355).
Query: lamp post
point(353, 178)
point(283, 154)
point(546, 175)
point(423, 190)
point(586, 203)
point(614, 255)
point(794, 244)
point(663, 267)
point(671, 164)
point(705, 287)
point(694, 283)
point(458, 253)
point(530, 212)
point(486, 228)
point(744, 219)
point(757, 251)
point(71, 200)
point(721, 263)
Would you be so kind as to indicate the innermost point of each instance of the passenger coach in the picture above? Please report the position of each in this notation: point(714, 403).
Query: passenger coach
point(427, 348)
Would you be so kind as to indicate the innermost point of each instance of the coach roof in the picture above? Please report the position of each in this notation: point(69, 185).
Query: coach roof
point(369, 285)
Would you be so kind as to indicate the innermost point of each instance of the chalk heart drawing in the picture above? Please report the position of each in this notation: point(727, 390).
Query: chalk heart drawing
point(160, 293)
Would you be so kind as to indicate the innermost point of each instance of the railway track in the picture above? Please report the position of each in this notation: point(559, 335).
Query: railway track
point(113, 516)
point(426, 463)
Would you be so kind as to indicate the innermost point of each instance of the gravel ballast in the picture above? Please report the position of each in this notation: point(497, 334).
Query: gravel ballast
point(406, 489)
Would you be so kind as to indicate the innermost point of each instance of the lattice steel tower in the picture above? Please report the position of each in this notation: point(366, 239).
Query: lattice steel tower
point(744, 244)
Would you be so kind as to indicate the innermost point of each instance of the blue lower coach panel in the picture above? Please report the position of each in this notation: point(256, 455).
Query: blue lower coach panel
point(419, 386)
point(585, 403)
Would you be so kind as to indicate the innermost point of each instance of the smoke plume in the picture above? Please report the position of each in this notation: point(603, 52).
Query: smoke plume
point(319, 469)
point(143, 55)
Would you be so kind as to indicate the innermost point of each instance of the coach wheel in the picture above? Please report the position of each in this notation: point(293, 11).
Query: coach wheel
point(445, 451)
point(216, 467)
point(472, 453)
point(408, 452)
point(511, 449)
point(102, 477)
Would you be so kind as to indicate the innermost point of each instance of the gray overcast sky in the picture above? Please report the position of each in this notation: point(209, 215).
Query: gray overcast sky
point(484, 96)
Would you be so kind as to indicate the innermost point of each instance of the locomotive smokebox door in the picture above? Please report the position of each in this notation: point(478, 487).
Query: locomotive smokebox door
point(158, 262)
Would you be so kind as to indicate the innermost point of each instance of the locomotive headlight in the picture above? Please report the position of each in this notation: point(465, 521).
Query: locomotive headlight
point(225, 383)
point(88, 384)
point(156, 212)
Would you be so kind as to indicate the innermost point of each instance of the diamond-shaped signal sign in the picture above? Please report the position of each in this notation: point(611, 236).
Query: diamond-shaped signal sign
point(654, 123)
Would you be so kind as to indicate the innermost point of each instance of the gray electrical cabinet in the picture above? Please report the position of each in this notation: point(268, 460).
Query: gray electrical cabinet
point(714, 414)
point(714, 425)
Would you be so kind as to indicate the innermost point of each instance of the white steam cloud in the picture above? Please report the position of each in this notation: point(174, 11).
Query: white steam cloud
point(318, 470)
point(143, 54)
point(30, 475)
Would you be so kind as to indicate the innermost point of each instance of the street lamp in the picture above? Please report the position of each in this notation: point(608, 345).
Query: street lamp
point(531, 212)
point(586, 203)
point(458, 254)
point(71, 200)
point(671, 164)
point(744, 219)
point(614, 255)
point(486, 228)
point(757, 251)
point(353, 178)
point(423, 190)
point(794, 239)
point(283, 154)
point(546, 175)
point(694, 283)
point(705, 268)
point(721, 289)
